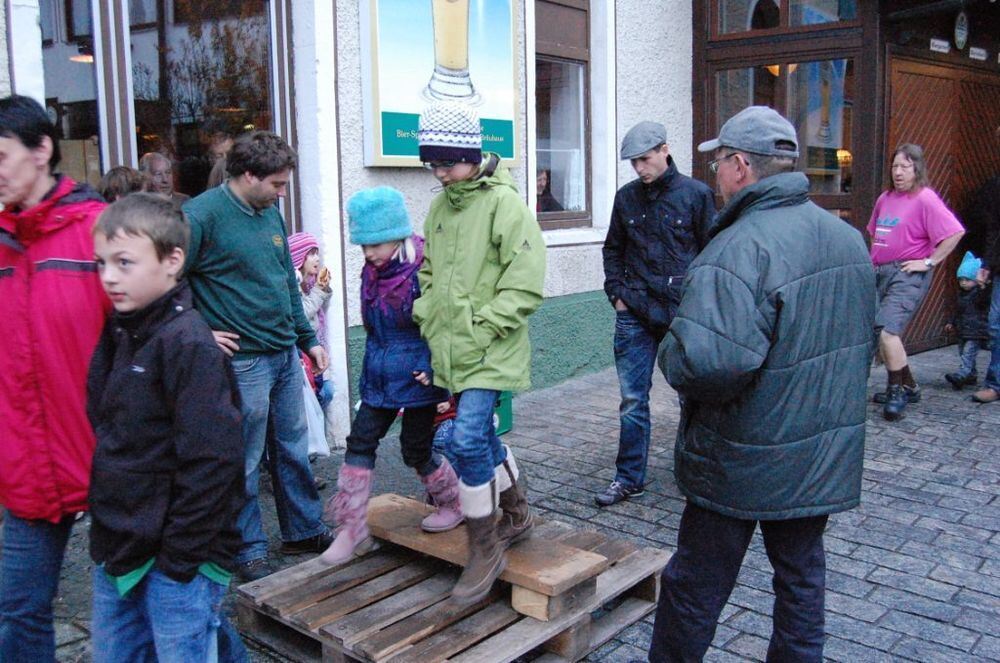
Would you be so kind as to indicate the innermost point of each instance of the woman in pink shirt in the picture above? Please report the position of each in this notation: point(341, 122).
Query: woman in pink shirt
point(912, 230)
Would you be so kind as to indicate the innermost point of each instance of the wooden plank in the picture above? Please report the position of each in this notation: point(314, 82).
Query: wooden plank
point(307, 593)
point(574, 642)
point(601, 630)
point(416, 627)
point(547, 608)
point(597, 542)
point(525, 635)
point(348, 601)
point(544, 566)
point(275, 636)
point(259, 591)
point(459, 636)
point(362, 623)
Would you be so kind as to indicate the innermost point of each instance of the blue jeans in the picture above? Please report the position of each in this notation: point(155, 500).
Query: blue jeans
point(271, 383)
point(967, 350)
point(635, 357)
point(993, 373)
point(29, 577)
point(475, 446)
point(699, 578)
point(443, 435)
point(163, 620)
point(324, 391)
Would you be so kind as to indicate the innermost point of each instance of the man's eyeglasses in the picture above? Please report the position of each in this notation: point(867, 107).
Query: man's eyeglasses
point(433, 165)
point(713, 165)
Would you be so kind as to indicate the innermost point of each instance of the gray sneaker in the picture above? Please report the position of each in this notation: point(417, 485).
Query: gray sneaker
point(618, 492)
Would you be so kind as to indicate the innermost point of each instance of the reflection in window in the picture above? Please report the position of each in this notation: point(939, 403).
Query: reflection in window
point(141, 13)
point(70, 88)
point(814, 12)
point(561, 145)
point(820, 101)
point(205, 82)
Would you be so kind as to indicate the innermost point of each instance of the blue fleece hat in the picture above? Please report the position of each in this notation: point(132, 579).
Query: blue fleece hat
point(377, 215)
point(969, 267)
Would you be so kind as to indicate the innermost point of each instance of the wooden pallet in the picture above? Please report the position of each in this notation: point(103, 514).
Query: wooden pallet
point(565, 590)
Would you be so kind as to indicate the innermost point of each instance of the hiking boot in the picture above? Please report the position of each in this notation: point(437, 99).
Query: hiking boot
point(895, 403)
point(314, 544)
point(912, 395)
point(255, 569)
point(349, 508)
point(486, 552)
point(442, 488)
point(618, 492)
point(986, 395)
point(516, 518)
point(957, 380)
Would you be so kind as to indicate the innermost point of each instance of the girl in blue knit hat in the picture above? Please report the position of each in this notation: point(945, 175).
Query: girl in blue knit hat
point(970, 322)
point(395, 375)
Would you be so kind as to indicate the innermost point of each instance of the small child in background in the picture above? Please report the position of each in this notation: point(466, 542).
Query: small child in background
point(314, 280)
point(971, 321)
point(396, 374)
point(167, 477)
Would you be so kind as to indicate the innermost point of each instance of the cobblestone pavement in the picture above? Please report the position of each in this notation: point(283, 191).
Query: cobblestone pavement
point(913, 573)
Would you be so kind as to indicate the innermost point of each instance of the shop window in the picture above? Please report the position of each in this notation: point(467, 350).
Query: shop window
point(736, 16)
point(70, 86)
point(562, 113)
point(199, 83)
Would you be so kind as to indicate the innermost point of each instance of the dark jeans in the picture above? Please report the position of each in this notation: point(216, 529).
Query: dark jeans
point(702, 573)
point(29, 576)
point(372, 423)
point(993, 373)
point(635, 357)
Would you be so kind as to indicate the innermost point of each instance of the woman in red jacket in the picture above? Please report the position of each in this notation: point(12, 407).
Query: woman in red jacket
point(52, 309)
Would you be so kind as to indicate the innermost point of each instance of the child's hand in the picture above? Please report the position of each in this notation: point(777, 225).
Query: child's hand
point(443, 407)
point(422, 377)
point(324, 278)
point(949, 329)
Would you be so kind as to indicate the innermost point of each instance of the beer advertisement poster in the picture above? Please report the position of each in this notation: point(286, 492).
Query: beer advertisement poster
point(415, 52)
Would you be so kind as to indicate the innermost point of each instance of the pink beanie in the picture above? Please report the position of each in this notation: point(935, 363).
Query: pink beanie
point(299, 245)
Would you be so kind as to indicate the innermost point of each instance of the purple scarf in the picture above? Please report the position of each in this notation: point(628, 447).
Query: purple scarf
point(389, 287)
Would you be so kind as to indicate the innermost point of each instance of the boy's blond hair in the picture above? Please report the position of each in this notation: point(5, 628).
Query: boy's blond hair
point(146, 215)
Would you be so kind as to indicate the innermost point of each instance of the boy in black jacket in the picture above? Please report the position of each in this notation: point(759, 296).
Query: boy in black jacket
point(167, 476)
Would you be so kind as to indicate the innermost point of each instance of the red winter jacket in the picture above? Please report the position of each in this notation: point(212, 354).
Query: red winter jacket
point(52, 309)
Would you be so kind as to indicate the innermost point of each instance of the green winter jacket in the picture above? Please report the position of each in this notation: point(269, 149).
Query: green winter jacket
point(770, 349)
point(484, 263)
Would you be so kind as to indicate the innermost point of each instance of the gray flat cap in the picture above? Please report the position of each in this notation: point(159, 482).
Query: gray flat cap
point(759, 130)
point(642, 138)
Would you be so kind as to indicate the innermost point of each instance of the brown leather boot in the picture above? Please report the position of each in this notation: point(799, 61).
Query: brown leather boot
point(516, 519)
point(486, 558)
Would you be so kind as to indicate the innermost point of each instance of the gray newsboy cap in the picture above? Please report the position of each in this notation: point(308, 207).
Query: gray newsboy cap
point(642, 138)
point(756, 129)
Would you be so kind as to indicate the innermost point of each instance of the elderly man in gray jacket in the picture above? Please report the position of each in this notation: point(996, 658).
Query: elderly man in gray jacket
point(770, 349)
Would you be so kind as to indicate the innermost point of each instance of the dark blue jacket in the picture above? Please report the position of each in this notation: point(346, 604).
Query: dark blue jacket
point(656, 231)
point(394, 350)
point(972, 314)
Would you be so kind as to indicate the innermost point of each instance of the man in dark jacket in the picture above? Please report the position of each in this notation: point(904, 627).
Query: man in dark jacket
point(659, 223)
point(770, 350)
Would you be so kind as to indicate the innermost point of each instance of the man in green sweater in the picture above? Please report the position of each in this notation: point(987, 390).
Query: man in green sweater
point(244, 285)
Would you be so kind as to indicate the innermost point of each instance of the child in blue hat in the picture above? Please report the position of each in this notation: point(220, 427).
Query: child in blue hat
point(970, 322)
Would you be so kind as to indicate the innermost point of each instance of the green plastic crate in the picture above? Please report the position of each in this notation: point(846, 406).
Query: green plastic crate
point(503, 415)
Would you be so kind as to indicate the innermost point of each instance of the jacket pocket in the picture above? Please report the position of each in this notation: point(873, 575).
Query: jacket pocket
point(129, 510)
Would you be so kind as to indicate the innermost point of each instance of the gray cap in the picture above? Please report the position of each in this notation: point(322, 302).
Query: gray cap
point(642, 138)
point(756, 129)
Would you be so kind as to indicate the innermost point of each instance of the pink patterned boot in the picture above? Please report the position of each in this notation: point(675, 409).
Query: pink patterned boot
point(442, 486)
point(350, 509)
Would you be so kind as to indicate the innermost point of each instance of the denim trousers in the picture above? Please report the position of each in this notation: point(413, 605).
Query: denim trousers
point(475, 445)
point(699, 578)
point(29, 577)
point(163, 620)
point(635, 357)
point(993, 373)
point(443, 435)
point(372, 423)
point(271, 384)
point(968, 348)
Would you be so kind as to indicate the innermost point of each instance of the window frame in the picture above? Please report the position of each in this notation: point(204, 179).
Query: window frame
point(784, 27)
point(571, 218)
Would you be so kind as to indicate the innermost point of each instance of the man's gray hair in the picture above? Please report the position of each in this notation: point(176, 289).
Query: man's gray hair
point(764, 165)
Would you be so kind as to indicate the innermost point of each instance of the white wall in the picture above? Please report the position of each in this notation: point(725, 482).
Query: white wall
point(4, 64)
